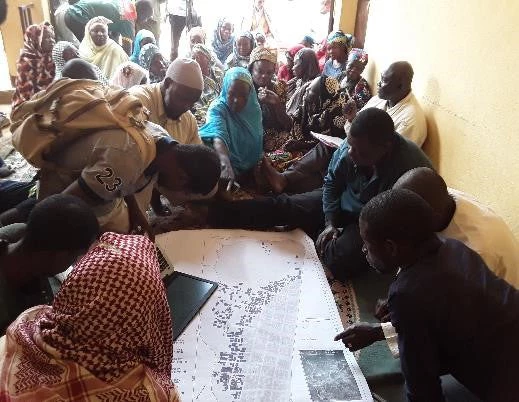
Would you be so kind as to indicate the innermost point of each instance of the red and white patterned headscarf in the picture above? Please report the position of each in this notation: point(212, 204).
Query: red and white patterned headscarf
point(108, 332)
point(35, 68)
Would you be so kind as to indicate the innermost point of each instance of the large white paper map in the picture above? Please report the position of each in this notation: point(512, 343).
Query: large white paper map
point(266, 334)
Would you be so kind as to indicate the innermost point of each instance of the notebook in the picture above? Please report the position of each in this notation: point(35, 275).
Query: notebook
point(186, 294)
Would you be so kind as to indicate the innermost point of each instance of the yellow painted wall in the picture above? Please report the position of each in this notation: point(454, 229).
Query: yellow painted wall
point(465, 57)
point(12, 29)
point(348, 12)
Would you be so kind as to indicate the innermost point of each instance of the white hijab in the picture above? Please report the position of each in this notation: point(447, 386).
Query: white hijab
point(107, 57)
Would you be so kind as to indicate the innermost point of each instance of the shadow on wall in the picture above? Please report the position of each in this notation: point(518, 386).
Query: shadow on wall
point(430, 102)
point(371, 75)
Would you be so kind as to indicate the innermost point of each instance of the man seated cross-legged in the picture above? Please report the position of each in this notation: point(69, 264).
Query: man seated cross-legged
point(369, 162)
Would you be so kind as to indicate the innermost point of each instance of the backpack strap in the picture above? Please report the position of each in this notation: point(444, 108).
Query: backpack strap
point(132, 116)
point(69, 109)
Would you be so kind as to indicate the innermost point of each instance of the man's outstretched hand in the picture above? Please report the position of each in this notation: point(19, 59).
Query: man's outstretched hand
point(360, 335)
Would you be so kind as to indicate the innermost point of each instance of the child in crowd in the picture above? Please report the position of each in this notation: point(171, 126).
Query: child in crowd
point(244, 43)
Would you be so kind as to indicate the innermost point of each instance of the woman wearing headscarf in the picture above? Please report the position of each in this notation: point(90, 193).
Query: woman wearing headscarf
point(128, 75)
point(142, 38)
point(272, 96)
point(223, 39)
point(152, 60)
point(243, 45)
point(308, 41)
point(306, 68)
point(97, 48)
point(64, 51)
point(321, 112)
point(285, 71)
point(357, 87)
point(213, 78)
point(322, 54)
point(35, 68)
point(61, 53)
point(196, 36)
point(339, 45)
point(234, 126)
point(107, 334)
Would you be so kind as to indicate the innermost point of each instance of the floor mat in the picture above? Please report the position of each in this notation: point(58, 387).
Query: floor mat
point(23, 171)
point(6, 146)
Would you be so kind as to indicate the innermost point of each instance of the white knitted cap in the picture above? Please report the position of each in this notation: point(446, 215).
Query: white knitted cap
point(186, 72)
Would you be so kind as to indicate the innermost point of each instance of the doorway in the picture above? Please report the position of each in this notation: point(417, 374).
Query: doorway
point(291, 19)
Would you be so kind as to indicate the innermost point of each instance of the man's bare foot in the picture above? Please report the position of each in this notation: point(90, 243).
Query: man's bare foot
point(277, 180)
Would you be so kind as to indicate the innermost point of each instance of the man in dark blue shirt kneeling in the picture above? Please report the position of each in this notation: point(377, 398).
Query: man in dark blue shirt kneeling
point(371, 160)
point(451, 313)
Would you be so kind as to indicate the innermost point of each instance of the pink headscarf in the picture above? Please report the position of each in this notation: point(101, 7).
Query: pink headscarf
point(294, 49)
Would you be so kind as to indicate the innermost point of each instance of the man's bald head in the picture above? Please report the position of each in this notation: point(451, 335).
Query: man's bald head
point(403, 71)
point(395, 82)
point(79, 69)
point(432, 188)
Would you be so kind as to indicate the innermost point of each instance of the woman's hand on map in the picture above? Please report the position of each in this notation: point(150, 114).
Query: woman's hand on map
point(360, 335)
point(227, 176)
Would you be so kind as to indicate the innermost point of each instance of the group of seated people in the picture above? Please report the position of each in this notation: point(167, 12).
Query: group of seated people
point(42, 59)
point(197, 135)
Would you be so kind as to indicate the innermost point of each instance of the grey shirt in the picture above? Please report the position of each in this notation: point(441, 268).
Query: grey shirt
point(107, 165)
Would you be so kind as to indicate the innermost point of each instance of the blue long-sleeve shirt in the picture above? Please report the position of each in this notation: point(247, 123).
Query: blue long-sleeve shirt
point(347, 188)
point(453, 315)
